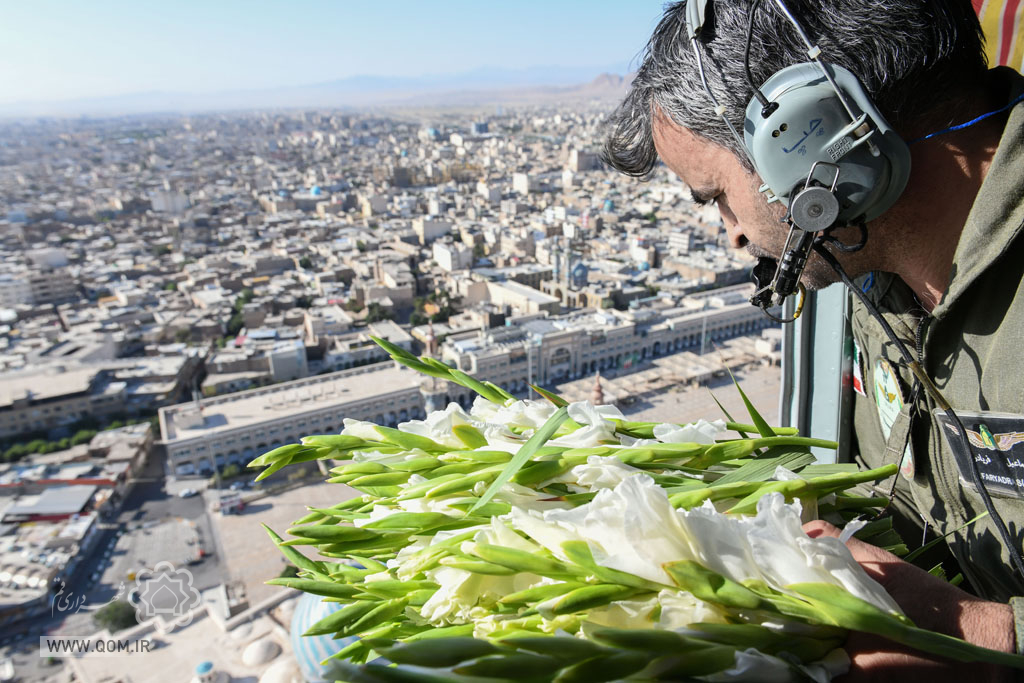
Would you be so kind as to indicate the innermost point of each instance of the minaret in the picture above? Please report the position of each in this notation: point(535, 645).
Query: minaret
point(597, 395)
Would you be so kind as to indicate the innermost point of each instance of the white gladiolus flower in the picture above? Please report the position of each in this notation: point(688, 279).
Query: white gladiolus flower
point(701, 431)
point(439, 424)
point(633, 528)
point(625, 614)
point(787, 555)
point(754, 666)
point(600, 472)
point(360, 428)
point(522, 414)
point(596, 427)
point(679, 610)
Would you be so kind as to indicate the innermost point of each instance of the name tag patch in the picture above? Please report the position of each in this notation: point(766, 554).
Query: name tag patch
point(997, 446)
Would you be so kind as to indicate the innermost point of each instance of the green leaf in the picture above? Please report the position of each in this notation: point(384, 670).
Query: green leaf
point(552, 397)
point(520, 560)
point(409, 441)
point(394, 351)
point(579, 552)
point(382, 479)
point(856, 614)
point(711, 586)
point(561, 647)
point(648, 640)
point(295, 557)
point(509, 666)
point(488, 391)
point(524, 454)
point(923, 549)
point(382, 612)
point(599, 669)
point(438, 653)
point(477, 566)
point(726, 413)
point(701, 662)
point(762, 427)
point(588, 597)
point(442, 632)
point(470, 436)
point(340, 442)
point(331, 533)
point(326, 588)
point(763, 468)
point(279, 453)
point(337, 621)
point(539, 593)
point(419, 521)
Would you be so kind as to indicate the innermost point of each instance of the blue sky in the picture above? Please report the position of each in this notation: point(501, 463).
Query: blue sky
point(57, 50)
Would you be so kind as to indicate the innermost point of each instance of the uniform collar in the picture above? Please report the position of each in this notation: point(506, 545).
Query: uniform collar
point(997, 215)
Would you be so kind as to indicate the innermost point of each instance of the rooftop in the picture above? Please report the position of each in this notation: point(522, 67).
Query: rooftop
point(232, 411)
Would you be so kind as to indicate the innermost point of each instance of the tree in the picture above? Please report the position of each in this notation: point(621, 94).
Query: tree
point(360, 245)
point(230, 470)
point(182, 336)
point(171, 287)
point(83, 436)
point(375, 312)
point(235, 324)
point(305, 263)
point(115, 616)
point(244, 297)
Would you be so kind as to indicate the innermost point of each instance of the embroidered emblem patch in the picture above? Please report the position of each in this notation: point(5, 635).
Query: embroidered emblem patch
point(889, 402)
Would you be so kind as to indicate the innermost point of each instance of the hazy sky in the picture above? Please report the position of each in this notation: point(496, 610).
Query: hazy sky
point(56, 50)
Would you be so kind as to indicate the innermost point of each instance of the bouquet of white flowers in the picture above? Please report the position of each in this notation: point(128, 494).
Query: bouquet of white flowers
point(548, 541)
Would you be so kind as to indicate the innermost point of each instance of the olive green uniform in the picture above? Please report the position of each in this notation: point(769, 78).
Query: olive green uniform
point(972, 346)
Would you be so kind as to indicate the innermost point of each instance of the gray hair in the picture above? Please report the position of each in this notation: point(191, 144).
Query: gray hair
point(912, 56)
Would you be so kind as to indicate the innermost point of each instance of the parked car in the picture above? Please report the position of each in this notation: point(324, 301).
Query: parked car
point(187, 493)
point(237, 486)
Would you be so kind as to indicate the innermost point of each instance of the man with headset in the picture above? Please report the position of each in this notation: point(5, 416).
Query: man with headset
point(794, 117)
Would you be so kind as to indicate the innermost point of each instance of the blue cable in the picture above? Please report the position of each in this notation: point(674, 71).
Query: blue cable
point(868, 283)
point(961, 126)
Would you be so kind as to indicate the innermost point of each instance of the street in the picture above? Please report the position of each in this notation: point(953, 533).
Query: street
point(148, 507)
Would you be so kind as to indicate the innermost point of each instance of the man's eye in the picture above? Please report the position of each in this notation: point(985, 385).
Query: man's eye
point(702, 199)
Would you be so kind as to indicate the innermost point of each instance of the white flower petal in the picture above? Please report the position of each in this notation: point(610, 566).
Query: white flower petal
point(701, 431)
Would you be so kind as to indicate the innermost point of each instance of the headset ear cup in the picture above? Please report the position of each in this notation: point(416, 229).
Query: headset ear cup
point(812, 129)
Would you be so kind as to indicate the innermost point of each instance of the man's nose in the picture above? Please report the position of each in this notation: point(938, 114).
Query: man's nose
point(733, 230)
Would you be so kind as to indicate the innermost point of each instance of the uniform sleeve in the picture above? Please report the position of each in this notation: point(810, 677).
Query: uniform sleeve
point(1017, 604)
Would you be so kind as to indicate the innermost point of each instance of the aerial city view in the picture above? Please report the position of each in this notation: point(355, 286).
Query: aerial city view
point(186, 286)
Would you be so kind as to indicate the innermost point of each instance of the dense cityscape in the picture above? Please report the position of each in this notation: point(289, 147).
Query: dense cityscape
point(180, 294)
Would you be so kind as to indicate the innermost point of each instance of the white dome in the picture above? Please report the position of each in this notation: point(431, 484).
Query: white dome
point(242, 632)
point(260, 652)
point(282, 671)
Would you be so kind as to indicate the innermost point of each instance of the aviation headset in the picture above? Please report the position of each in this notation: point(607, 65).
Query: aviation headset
point(820, 145)
point(829, 156)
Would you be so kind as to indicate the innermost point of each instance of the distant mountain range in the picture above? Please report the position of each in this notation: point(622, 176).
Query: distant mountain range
point(484, 86)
